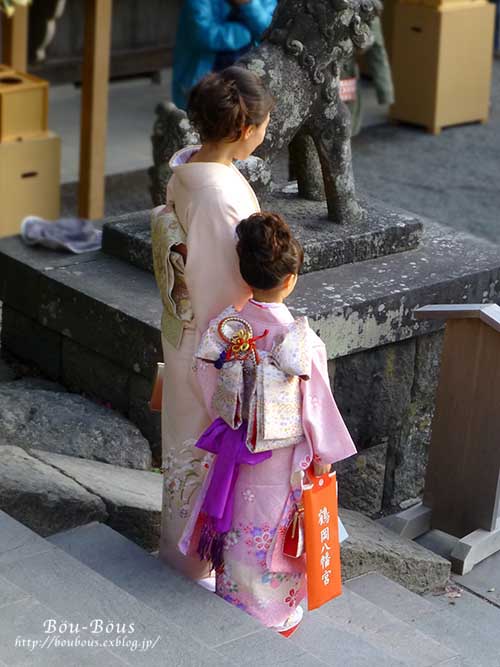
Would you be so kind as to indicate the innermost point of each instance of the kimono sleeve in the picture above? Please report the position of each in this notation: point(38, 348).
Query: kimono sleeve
point(323, 425)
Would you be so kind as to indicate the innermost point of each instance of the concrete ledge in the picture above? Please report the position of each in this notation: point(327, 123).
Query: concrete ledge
point(353, 307)
point(98, 301)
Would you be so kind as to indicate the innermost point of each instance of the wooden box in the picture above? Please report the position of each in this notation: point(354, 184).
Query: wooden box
point(442, 63)
point(23, 105)
point(29, 180)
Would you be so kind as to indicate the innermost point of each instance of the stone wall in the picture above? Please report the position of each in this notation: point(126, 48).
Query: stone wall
point(83, 370)
point(387, 397)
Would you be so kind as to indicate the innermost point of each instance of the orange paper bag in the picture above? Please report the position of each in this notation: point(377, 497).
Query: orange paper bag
point(322, 540)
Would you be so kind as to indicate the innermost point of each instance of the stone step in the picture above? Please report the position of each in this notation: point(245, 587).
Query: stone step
point(132, 499)
point(326, 245)
point(39, 581)
point(42, 497)
point(467, 625)
point(177, 599)
point(373, 548)
point(351, 628)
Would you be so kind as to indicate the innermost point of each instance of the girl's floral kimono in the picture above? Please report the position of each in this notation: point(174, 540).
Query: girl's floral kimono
point(255, 575)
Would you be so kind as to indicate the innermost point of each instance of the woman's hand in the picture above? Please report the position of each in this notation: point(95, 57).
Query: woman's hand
point(321, 468)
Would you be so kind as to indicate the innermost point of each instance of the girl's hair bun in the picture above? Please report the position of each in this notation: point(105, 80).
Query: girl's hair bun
point(267, 250)
point(223, 103)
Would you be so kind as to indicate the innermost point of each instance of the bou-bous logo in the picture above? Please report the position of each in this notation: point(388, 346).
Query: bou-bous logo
point(96, 626)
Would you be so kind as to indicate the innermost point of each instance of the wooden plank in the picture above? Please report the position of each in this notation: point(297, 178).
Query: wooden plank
point(464, 461)
point(489, 313)
point(446, 470)
point(483, 452)
point(15, 39)
point(94, 110)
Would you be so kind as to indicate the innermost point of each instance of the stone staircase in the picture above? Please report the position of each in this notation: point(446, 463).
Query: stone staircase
point(92, 572)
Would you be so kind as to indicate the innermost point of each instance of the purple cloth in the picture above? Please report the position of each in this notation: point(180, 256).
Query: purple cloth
point(230, 447)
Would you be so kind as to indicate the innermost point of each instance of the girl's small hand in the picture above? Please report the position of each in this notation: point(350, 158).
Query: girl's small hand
point(321, 468)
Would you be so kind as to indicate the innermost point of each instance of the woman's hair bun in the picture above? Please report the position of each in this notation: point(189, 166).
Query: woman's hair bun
point(267, 250)
point(223, 103)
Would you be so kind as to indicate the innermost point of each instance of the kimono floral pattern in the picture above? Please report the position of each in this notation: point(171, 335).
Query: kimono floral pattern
point(271, 597)
point(183, 474)
point(245, 579)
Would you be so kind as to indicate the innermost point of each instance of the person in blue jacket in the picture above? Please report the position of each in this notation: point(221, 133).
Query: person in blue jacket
point(211, 35)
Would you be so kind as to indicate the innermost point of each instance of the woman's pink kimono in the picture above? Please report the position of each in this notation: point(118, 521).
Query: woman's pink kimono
point(256, 576)
point(209, 200)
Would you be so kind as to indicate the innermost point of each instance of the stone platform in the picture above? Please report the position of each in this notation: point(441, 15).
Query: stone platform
point(86, 319)
point(384, 231)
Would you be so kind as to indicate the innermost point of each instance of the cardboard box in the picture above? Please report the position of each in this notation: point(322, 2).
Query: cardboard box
point(29, 181)
point(442, 63)
point(23, 105)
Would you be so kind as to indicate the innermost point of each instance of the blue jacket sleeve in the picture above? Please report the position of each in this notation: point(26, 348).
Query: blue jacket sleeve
point(208, 33)
point(257, 15)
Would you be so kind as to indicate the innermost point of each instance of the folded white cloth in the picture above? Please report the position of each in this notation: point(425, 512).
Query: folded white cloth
point(74, 234)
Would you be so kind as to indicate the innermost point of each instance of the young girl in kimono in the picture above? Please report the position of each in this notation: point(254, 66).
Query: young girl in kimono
point(248, 361)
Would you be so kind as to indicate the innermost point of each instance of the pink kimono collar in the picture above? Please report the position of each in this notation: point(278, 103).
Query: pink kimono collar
point(267, 313)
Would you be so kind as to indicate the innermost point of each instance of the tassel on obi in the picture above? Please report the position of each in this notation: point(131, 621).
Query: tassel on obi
point(216, 514)
point(211, 545)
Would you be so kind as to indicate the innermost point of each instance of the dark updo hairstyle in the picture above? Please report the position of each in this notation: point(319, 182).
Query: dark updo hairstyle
point(267, 250)
point(223, 103)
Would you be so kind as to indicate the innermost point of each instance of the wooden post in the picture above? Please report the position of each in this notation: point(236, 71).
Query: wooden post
point(94, 108)
point(461, 484)
point(461, 504)
point(15, 39)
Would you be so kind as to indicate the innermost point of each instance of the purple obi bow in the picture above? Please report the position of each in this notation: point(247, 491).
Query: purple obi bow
point(230, 447)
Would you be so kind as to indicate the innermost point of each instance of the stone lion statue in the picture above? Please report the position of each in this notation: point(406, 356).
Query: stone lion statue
point(300, 59)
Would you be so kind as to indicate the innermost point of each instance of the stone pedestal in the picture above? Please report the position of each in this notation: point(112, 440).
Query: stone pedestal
point(384, 231)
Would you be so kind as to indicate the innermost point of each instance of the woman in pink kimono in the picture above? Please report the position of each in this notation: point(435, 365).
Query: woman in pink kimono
point(196, 266)
point(252, 362)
